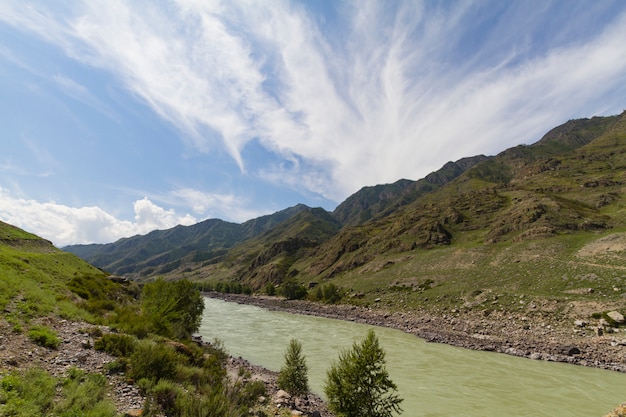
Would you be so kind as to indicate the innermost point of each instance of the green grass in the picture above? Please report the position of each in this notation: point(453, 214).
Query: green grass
point(44, 337)
point(37, 393)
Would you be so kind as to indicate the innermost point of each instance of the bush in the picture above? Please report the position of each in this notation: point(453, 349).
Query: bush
point(27, 395)
point(153, 361)
point(330, 293)
point(291, 290)
point(173, 308)
point(116, 344)
point(165, 394)
point(270, 289)
point(118, 366)
point(44, 336)
point(37, 393)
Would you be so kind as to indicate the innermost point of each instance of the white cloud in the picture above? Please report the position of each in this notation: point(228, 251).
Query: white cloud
point(388, 98)
point(213, 205)
point(65, 225)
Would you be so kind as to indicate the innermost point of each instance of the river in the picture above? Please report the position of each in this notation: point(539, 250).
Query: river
point(434, 379)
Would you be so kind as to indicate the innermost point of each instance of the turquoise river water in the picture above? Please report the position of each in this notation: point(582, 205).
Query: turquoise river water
point(433, 379)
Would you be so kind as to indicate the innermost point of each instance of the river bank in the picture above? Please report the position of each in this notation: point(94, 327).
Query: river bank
point(536, 338)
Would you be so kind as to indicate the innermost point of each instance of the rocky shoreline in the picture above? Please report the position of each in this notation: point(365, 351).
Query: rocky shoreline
point(535, 338)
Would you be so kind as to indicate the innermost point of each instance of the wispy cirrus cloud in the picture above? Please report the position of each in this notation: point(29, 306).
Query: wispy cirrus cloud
point(394, 91)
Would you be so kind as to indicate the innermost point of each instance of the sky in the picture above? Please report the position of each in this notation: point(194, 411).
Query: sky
point(121, 117)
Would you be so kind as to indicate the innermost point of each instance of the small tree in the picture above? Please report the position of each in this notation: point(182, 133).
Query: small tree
point(293, 375)
point(358, 385)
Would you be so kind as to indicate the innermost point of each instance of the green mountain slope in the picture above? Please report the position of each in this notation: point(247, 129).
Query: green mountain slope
point(530, 222)
point(37, 279)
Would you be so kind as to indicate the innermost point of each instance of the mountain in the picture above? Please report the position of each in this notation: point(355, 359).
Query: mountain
point(161, 251)
point(379, 200)
point(535, 220)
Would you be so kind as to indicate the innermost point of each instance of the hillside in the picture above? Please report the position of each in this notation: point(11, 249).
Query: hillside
point(77, 342)
point(39, 279)
point(545, 221)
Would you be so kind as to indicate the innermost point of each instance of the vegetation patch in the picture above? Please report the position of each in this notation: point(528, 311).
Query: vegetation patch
point(43, 336)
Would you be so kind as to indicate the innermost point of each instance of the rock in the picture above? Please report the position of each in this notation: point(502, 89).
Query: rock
point(281, 397)
point(570, 350)
point(618, 412)
point(580, 323)
point(616, 316)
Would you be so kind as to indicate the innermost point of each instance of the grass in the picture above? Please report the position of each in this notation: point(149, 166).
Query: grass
point(44, 337)
point(479, 277)
point(37, 393)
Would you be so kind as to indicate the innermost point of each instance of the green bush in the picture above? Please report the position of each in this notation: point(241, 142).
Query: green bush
point(130, 321)
point(44, 336)
point(174, 309)
point(118, 366)
point(30, 394)
point(291, 290)
point(270, 289)
point(165, 394)
point(116, 344)
point(153, 361)
point(331, 293)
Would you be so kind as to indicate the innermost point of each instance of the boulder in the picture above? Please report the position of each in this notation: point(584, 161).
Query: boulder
point(616, 316)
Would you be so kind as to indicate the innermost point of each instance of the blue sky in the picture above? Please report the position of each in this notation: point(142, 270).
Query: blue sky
point(121, 117)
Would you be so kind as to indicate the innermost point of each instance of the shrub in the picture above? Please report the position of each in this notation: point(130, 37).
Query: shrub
point(291, 290)
point(26, 395)
point(270, 289)
point(165, 394)
point(330, 293)
point(174, 308)
point(44, 336)
point(118, 366)
point(116, 344)
point(154, 361)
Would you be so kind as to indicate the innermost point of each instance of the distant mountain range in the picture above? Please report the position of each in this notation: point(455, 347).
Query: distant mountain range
point(570, 182)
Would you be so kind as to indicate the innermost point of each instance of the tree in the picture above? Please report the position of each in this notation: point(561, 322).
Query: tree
point(358, 385)
point(293, 375)
point(291, 290)
point(173, 308)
